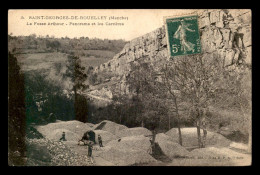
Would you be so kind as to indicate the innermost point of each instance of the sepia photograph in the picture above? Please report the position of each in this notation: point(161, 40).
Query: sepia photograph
point(129, 87)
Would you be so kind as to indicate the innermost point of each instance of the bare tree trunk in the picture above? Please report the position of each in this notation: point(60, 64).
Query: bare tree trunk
point(204, 130)
point(169, 126)
point(204, 137)
point(198, 132)
point(153, 140)
point(180, 137)
point(178, 118)
point(75, 103)
point(175, 103)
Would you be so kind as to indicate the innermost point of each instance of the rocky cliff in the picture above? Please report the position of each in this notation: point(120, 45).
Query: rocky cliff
point(225, 33)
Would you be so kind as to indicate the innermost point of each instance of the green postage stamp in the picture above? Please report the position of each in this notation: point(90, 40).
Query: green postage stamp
point(183, 35)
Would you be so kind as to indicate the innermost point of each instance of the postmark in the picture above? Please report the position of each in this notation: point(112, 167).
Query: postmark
point(183, 37)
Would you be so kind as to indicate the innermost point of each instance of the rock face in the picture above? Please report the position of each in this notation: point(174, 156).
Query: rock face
point(224, 33)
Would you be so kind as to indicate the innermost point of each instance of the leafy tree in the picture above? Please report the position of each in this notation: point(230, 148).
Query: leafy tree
point(53, 44)
point(56, 45)
point(33, 88)
point(53, 103)
point(142, 83)
point(150, 108)
point(76, 72)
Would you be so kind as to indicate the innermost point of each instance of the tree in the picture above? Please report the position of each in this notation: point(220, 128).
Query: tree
point(16, 112)
point(76, 72)
point(56, 45)
point(169, 83)
point(141, 82)
point(150, 107)
point(53, 44)
point(33, 36)
point(196, 77)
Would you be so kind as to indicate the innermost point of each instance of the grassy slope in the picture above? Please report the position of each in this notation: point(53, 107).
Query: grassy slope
point(53, 65)
point(35, 61)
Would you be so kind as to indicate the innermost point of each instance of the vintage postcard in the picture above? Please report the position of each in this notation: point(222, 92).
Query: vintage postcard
point(93, 87)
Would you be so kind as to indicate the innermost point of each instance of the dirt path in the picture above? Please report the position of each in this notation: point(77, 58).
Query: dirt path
point(98, 161)
point(242, 160)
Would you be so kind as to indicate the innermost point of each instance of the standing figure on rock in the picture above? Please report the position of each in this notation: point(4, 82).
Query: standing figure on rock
point(63, 137)
point(100, 141)
point(90, 147)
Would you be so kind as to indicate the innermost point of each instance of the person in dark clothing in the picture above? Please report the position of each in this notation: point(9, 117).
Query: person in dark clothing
point(63, 137)
point(100, 141)
point(90, 147)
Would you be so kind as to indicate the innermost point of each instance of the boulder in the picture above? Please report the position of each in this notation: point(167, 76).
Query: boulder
point(126, 157)
point(225, 131)
point(134, 132)
point(77, 127)
point(169, 147)
point(90, 124)
point(131, 143)
point(105, 135)
point(239, 146)
point(109, 126)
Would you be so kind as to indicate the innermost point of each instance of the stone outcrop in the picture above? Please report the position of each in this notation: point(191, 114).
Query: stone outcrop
point(224, 33)
point(228, 33)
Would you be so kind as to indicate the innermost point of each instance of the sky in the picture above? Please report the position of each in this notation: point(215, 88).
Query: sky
point(136, 22)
